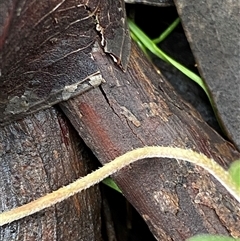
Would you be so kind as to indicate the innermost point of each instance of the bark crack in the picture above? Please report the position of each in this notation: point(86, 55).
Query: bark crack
point(107, 100)
point(125, 117)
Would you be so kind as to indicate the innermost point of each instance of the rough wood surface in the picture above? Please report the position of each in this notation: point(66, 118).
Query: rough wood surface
point(39, 154)
point(132, 109)
point(45, 50)
point(212, 28)
point(138, 108)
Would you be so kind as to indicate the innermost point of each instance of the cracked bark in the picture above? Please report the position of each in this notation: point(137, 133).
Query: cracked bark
point(132, 109)
point(39, 154)
point(138, 108)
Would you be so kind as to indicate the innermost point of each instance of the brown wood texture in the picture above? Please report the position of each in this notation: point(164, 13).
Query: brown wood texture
point(39, 154)
point(139, 108)
point(45, 50)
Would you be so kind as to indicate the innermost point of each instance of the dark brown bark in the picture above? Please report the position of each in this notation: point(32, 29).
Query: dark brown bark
point(139, 108)
point(45, 50)
point(39, 154)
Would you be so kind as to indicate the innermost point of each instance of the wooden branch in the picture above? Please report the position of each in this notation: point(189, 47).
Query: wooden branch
point(40, 154)
point(139, 108)
point(133, 109)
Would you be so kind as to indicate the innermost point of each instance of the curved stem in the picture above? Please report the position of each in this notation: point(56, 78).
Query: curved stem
point(95, 177)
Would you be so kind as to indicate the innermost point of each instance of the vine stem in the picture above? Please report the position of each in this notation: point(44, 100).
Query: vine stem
point(91, 179)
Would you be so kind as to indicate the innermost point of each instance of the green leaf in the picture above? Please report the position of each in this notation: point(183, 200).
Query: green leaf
point(210, 237)
point(167, 31)
point(109, 182)
point(234, 171)
point(151, 46)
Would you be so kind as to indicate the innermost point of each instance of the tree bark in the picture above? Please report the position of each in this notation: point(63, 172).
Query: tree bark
point(139, 108)
point(132, 109)
point(39, 154)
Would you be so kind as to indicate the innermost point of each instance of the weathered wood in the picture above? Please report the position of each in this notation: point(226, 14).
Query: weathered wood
point(45, 50)
point(138, 108)
point(132, 109)
point(39, 154)
point(212, 28)
point(159, 3)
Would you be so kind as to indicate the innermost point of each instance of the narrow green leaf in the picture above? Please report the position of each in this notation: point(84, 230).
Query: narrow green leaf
point(109, 182)
point(167, 32)
point(139, 43)
point(148, 43)
point(234, 171)
point(209, 237)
